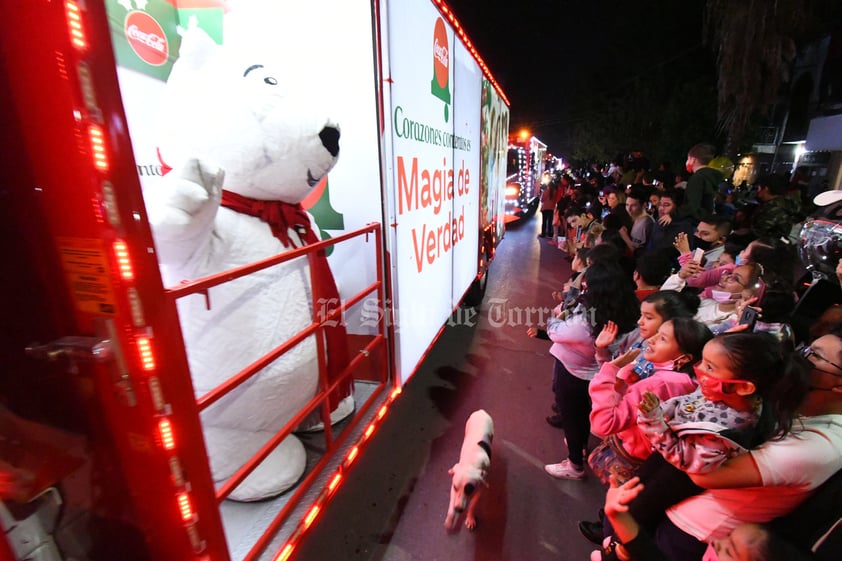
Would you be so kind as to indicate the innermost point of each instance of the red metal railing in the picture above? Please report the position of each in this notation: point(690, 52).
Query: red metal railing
point(374, 347)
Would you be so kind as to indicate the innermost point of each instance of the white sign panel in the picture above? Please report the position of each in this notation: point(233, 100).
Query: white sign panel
point(466, 158)
point(435, 159)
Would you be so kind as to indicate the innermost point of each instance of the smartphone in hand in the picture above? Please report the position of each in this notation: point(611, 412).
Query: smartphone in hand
point(749, 317)
point(698, 255)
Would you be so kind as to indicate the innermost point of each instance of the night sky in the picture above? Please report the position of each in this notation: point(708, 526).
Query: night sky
point(549, 55)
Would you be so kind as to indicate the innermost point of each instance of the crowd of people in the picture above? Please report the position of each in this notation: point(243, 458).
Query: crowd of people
point(677, 342)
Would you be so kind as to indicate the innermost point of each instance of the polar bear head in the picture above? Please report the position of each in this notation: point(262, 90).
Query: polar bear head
point(244, 113)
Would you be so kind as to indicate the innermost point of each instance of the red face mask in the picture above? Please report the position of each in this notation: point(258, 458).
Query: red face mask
point(713, 384)
point(689, 167)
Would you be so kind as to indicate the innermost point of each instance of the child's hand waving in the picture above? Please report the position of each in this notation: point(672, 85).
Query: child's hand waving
point(607, 335)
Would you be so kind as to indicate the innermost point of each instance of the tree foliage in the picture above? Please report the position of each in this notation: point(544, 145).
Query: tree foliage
point(662, 115)
point(754, 48)
point(755, 43)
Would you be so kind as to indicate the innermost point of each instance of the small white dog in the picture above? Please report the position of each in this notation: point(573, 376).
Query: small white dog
point(470, 473)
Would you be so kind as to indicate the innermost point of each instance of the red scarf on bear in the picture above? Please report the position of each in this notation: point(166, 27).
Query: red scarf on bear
point(281, 218)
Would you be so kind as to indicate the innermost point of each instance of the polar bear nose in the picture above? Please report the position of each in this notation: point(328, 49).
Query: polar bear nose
point(330, 140)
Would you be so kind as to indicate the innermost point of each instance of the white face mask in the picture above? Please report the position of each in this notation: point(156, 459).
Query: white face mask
point(721, 296)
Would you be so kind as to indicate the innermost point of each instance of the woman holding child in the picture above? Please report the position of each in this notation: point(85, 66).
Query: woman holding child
point(769, 480)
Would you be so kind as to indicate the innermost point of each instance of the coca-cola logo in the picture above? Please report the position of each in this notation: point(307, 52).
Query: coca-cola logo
point(146, 38)
point(441, 53)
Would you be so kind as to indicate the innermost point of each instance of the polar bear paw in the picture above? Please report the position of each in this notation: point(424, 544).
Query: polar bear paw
point(183, 208)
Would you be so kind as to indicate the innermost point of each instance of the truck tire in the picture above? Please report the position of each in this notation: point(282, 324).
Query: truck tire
point(476, 292)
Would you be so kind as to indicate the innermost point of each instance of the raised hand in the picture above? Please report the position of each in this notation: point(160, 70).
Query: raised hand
point(682, 243)
point(626, 358)
point(607, 336)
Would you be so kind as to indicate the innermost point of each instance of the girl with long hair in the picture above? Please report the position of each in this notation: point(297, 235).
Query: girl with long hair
point(607, 295)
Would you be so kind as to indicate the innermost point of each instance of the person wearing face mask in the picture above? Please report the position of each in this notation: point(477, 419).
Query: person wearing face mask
point(720, 303)
point(773, 479)
point(709, 236)
point(663, 366)
point(739, 373)
point(620, 384)
point(773, 260)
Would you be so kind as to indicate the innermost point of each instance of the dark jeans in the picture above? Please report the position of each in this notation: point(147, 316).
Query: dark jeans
point(664, 486)
point(574, 406)
point(547, 223)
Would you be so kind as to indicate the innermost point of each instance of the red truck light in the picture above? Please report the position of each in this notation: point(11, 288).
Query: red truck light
point(74, 25)
point(512, 191)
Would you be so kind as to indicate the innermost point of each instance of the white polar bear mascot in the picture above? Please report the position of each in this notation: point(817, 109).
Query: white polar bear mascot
point(246, 146)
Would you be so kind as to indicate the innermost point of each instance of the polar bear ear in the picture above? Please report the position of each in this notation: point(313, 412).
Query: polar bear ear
point(197, 48)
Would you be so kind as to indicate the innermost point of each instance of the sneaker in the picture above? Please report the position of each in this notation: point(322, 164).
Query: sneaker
point(592, 531)
point(565, 470)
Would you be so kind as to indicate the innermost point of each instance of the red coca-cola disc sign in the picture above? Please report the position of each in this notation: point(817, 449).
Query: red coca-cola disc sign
point(146, 38)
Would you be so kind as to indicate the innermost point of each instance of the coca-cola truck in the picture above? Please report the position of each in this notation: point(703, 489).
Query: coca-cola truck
point(104, 436)
point(525, 173)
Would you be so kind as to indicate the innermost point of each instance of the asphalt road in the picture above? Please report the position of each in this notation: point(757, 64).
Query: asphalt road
point(393, 504)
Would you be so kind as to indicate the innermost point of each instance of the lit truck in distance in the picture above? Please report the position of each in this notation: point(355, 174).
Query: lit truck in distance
point(524, 172)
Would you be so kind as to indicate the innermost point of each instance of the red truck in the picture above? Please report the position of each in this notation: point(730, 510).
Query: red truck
point(104, 451)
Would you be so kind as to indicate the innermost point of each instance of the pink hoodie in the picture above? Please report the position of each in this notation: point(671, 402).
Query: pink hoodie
point(616, 413)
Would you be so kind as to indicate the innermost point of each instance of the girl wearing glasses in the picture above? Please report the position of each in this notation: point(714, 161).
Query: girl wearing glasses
point(735, 286)
point(776, 258)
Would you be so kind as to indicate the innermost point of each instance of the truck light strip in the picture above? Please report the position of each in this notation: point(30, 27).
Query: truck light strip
point(445, 10)
point(124, 262)
point(334, 483)
point(144, 351)
point(324, 497)
point(285, 553)
point(314, 512)
point(184, 506)
point(74, 25)
point(97, 139)
point(166, 434)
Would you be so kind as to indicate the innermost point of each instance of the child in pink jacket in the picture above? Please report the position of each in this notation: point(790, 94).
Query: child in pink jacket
point(617, 389)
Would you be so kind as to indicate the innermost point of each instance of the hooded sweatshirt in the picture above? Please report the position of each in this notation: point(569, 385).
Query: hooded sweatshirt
point(700, 194)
